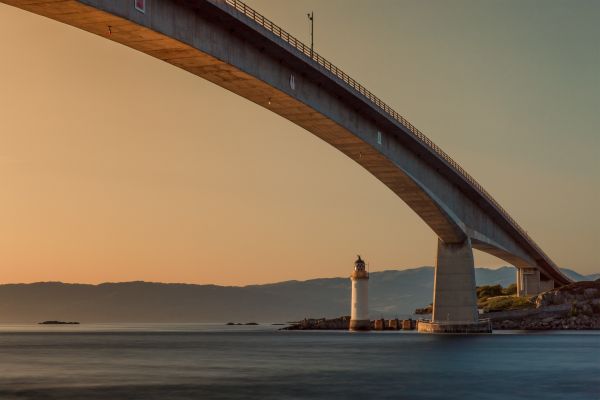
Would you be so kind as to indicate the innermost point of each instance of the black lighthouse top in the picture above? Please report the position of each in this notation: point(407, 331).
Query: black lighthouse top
point(359, 264)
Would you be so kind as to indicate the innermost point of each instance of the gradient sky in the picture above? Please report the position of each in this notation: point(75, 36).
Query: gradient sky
point(115, 166)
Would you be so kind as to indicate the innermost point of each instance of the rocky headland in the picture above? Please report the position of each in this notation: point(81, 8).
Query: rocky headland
point(575, 307)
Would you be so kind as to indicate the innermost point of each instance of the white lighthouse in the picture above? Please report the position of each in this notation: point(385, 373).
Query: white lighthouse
point(359, 316)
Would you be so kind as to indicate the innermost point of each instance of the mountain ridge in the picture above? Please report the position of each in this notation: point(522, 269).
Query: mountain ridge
point(393, 293)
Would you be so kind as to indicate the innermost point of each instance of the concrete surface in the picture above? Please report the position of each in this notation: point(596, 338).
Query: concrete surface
point(454, 296)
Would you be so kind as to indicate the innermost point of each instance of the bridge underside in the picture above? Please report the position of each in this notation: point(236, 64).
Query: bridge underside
point(209, 39)
point(258, 91)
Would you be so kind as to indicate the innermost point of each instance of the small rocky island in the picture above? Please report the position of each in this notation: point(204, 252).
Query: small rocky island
point(57, 323)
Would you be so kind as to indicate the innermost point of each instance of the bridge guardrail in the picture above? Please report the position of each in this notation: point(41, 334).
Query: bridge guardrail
point(310, 53)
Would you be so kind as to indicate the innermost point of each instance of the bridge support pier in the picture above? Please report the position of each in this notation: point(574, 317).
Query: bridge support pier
point(531, 282)
point(454, 294)
point(546, 284)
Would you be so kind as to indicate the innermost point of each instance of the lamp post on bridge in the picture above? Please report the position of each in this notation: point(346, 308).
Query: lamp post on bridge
point(311, 17)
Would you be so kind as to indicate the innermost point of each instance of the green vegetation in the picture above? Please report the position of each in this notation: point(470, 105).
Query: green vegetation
point(496, 298)
point(510, 290)
point(484, 292)
point(504, 303)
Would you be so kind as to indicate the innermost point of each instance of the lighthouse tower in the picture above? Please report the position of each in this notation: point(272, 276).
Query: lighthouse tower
point(359, 319)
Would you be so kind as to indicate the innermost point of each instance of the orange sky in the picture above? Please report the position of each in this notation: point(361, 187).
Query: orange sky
point(116, 166)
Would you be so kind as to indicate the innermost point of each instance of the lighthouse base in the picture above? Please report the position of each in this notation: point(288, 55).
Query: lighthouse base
point(360, 325)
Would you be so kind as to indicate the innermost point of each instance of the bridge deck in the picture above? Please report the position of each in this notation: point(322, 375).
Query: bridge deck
point(134, 34)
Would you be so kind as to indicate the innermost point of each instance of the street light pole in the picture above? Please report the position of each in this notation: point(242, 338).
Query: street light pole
point(311, 17)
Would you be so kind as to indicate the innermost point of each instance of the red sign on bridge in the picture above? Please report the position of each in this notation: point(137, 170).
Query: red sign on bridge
point(140, 5)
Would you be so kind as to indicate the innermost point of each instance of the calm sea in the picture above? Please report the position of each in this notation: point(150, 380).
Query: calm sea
point(217, 362)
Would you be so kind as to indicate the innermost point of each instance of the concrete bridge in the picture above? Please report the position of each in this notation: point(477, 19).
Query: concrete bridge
point(235, 47)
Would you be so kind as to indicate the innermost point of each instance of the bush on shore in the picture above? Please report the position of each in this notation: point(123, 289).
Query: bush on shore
point(486, 291)
point(504, 303)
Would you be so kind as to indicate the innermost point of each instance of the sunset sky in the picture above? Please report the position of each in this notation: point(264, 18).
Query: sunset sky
point(115, 166)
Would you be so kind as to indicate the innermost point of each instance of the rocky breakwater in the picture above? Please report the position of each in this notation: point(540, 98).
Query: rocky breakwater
point(341, 323)
point(575, 306)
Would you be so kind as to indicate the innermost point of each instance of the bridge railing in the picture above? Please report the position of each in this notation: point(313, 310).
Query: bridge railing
point(310, 53)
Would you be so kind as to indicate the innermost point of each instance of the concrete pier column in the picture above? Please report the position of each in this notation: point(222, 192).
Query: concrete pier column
point(531, 282)
point(546, 283)
point(454, 295)
point(528, 281)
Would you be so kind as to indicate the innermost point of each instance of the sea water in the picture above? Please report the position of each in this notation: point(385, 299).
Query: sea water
point(203, 361)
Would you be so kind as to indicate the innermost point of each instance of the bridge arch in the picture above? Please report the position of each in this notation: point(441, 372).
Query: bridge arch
point(233, 46)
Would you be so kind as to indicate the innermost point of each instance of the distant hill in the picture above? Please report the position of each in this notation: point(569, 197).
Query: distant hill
point(577, 277)
point(392, 293)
